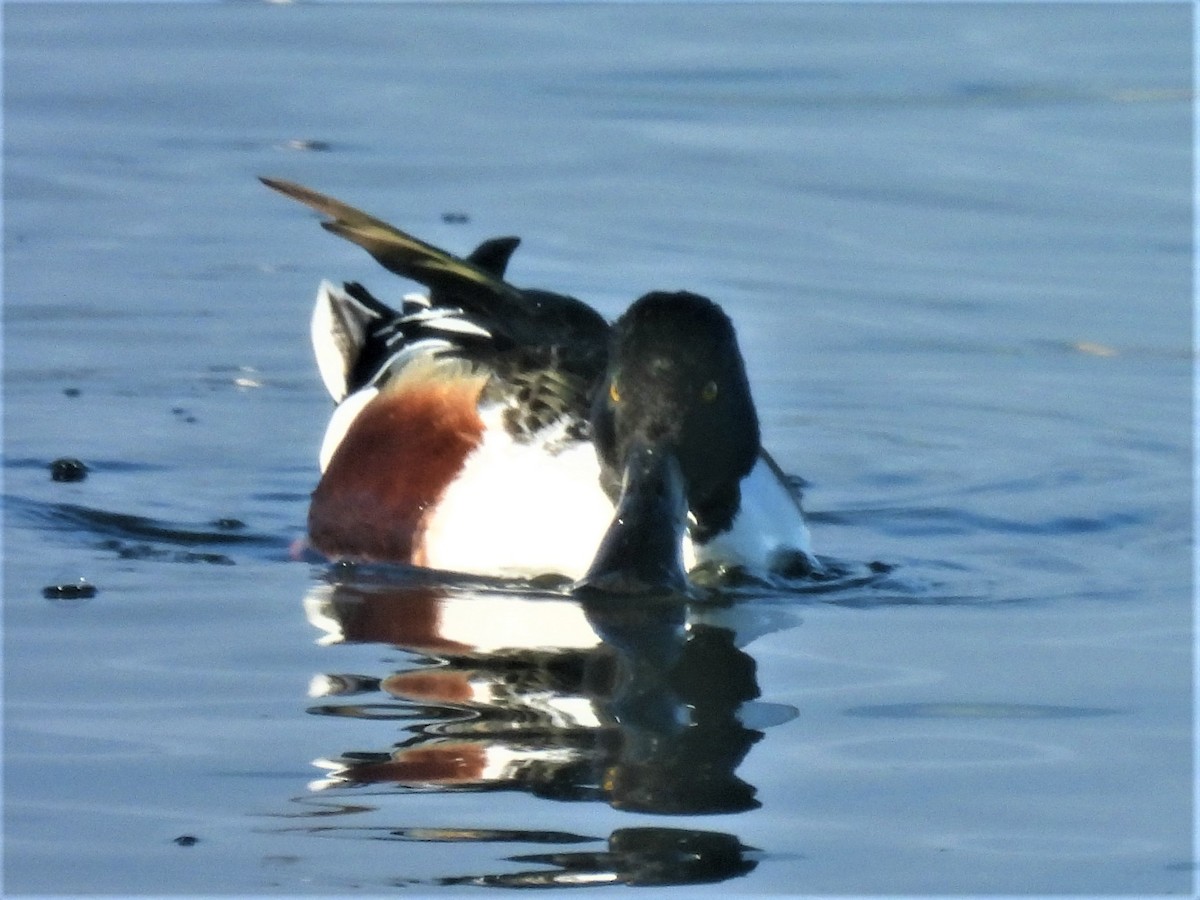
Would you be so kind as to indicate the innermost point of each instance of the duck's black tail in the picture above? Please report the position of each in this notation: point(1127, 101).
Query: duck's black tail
point(478, 279)
point(476, 284)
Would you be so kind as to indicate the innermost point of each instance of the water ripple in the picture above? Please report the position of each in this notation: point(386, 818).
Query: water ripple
point(941, 520)
point(140, 537)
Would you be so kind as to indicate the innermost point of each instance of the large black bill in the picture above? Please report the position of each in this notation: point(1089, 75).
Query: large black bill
point(642, 549)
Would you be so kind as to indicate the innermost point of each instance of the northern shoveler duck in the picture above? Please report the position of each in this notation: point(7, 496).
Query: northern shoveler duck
point(497, 430)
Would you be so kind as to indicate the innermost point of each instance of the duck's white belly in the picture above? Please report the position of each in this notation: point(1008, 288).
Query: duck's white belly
point(517, 510)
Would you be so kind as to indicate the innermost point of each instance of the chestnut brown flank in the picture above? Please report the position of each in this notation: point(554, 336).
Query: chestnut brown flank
point(458, 763)
point(391, 468)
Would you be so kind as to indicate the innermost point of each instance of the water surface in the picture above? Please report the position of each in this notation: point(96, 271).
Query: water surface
point(956, 241)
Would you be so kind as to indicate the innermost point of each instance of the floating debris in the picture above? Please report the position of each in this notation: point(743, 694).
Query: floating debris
point(71, 392)
point(455, 217)
point(1094, 349)
point(67, 468)
point(186, 840)
point(74, 590)
point(308, 145)
point(247, 377)
point(241, 377)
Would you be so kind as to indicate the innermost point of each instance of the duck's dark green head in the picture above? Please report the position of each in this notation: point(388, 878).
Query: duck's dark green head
point(675, 431)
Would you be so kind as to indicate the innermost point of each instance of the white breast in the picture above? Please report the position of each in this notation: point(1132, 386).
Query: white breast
point(768, 526)
point(516, 510)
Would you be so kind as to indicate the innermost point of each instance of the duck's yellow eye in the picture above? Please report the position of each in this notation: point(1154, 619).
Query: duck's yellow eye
point(708, 393)
point(613, 394)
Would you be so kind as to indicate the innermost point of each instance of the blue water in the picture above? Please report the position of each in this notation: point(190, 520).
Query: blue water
point(956, 241)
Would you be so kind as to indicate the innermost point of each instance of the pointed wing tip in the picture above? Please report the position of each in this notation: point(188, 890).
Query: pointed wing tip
point(287, 188)
point(396, 250)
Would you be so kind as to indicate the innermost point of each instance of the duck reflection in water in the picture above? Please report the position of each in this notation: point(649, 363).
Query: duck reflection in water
point(634, 856)
point(646, 705)
point(649, 705)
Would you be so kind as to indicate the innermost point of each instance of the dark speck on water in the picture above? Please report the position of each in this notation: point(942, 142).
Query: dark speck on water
point(68, 468)
point(78, 590)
